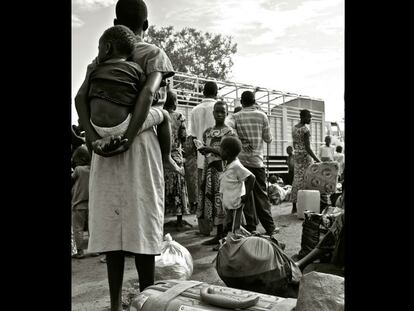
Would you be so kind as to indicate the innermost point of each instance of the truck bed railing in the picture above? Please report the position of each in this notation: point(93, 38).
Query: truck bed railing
point(275, 165)
point(277, 105)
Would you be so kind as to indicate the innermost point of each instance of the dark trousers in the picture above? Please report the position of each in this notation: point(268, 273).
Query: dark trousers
point(259, 203)
point(289, 178)
point(79, 219)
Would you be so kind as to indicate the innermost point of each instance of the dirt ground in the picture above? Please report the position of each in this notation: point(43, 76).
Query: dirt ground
point(89, 279)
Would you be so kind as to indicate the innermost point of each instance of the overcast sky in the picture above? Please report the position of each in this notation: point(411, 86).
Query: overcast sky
point(294, 46)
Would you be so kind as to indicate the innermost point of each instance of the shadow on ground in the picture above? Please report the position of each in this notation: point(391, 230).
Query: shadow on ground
point(89, 283)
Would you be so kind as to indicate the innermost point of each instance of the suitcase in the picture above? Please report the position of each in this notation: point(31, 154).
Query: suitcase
point(175, 295)
point(308, 200)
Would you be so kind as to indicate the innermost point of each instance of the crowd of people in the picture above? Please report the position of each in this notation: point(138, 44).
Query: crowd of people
point(139, 163)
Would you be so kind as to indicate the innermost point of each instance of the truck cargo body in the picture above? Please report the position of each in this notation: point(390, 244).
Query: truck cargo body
point(281, 108)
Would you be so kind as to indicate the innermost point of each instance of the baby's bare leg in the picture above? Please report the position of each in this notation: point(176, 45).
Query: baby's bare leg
point(161, 118)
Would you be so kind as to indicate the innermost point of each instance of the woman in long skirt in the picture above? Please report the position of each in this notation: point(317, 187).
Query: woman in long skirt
point(303, 155)
point(176, 198)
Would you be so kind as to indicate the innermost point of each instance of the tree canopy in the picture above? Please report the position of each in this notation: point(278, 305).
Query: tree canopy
point(195, 52)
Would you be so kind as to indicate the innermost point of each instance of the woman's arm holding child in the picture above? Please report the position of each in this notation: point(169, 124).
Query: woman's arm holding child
point(143, 105)
point(140, 112)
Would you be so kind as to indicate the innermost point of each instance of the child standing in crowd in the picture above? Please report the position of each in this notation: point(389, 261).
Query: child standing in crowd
point(80, 196)
point(340, 158)
point(236, 182)
point(326, 152)
point(114, 86)
point(210, 207)
point(291, 165)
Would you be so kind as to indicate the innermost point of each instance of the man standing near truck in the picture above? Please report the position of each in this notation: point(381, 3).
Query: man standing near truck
point(252, 126)
point(201, 119)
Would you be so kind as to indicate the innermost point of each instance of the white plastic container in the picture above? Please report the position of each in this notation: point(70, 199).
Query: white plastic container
point(308, 200)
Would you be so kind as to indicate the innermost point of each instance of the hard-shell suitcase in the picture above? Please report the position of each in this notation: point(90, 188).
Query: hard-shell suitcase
point(175, 295)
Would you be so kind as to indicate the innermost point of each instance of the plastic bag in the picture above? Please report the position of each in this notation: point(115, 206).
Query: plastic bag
point(175, 261)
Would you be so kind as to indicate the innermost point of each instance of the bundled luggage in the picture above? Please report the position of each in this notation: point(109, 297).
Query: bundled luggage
point(322, 176)
point(310, 233)
point(256, 262)
point(315, 226)
point(174, 295)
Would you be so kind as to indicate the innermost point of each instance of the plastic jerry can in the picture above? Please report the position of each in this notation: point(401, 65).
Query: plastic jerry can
point(308, 200)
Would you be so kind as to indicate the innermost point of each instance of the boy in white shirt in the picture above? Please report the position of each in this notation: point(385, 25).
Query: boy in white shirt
point(326, 152)
point(236, 182)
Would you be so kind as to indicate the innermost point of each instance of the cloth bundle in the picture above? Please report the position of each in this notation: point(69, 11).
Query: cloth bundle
point(256, 263)
point(322, 176)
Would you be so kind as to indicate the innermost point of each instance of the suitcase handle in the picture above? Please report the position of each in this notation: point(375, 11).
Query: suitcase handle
point(210, 296)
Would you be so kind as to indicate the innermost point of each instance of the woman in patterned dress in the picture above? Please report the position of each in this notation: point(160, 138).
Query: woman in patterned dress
point(210, 199)
point(176, 199)
point(303, 154)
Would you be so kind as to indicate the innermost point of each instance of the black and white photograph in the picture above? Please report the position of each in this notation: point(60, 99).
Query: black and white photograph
point(208, 155)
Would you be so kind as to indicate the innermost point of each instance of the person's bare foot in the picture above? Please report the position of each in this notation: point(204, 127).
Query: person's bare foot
point(171, 165)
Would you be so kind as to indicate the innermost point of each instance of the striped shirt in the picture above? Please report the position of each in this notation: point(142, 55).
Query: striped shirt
point(252, 126)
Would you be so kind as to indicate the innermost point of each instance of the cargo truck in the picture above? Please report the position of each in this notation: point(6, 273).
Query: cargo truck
point(282, 109)
point(333, 129)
